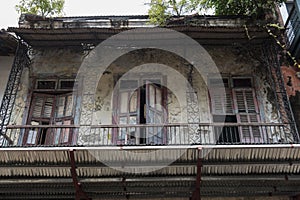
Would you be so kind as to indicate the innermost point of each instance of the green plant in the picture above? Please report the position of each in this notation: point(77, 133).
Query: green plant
point(45, 8)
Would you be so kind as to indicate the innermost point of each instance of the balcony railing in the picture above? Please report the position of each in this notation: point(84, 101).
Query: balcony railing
point(148, 134)
point(293, 29)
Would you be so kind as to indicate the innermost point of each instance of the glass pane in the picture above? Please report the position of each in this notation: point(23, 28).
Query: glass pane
point(46, 84)
point(242, 83)
point(132, 120)
point(123, 120)
point(122, 134)
point(48, 107)
point(122, 131)
point(150, 119)
point(158, 119)
point(60, 106)
point(57, 133)
point(151, 96)
point(69, 105)
point(158, 99)
point(133, 102)
point(68, 84)
point(123, 102)
point(128, 84)
point(132, 131)
point(32, 136)
point(66, 132)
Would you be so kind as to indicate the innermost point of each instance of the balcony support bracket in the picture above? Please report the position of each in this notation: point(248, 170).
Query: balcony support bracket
point(196, 193)
point(79, 193)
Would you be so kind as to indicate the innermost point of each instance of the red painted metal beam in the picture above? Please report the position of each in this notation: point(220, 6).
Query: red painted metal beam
point(196, 193)
point(79, 193)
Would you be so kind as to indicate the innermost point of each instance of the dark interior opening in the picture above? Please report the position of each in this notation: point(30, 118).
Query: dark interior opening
point(226, 134)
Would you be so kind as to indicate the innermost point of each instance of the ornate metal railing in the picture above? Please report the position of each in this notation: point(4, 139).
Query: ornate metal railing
point(150, 134)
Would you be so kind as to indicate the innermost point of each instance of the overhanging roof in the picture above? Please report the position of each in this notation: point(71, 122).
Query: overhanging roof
point(44, 173)
point(8, 44)
point(80, 36)
point(77, 31)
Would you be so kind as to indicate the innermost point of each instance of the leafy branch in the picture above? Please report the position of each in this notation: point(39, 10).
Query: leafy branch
point(44, 8)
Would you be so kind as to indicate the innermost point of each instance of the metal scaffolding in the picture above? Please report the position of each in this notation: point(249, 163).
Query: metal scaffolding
point(20, 62)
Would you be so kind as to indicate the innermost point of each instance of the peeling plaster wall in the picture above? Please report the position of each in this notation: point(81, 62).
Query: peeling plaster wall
point(56, 62)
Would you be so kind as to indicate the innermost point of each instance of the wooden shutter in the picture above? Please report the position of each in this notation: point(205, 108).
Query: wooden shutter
point(221, 103)
point(41, 113)
point(247, 112)
point(49, 109)
point(42, 106)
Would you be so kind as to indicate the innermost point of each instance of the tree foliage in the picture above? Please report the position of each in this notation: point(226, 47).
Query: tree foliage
point(161, 10)
point(241, 7)
point(45, 8)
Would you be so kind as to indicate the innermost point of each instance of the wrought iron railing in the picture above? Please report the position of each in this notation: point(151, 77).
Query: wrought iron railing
point(148, 134)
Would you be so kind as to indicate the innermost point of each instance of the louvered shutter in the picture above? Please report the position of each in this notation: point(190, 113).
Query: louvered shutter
point(221, 103)
point(247, 112)
point(42, 105)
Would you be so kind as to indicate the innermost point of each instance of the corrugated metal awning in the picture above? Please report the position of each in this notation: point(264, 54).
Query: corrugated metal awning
point(227, 171)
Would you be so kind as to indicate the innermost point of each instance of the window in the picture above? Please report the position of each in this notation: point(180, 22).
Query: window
point(140, 105)
point(52, 103)
point(239, 105)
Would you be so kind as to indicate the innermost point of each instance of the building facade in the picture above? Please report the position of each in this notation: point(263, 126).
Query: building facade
point(111, 107)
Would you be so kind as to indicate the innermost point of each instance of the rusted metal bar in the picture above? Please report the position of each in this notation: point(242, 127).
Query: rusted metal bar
point(196, 193)
point(41, 126)
point(79, 193)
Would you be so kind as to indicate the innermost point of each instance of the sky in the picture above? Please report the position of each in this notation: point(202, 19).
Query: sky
point(9, 16)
